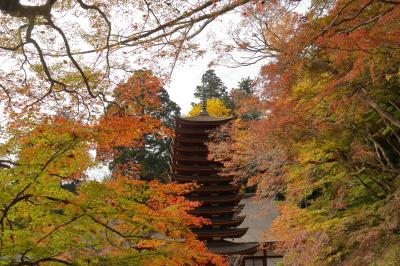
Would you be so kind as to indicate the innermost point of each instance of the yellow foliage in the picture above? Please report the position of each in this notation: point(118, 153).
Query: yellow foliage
point(215, 107)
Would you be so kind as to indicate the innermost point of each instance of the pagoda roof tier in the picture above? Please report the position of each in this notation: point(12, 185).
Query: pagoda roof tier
point(206, 165)
point(201, 179)
point(217, 199)
point(204, 210)
point(224, 247)
point(202, 120)
point(196, 168)
point(193, 158)
point(203, 233)
point(230, 221)
point(191, 149)
point(192, 140)
point(192, 131)
point(217, 188)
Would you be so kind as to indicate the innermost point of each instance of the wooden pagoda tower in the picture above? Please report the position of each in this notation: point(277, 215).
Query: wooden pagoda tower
point(219, 196)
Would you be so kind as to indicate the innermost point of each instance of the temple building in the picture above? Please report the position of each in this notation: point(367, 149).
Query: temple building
point(220, 197)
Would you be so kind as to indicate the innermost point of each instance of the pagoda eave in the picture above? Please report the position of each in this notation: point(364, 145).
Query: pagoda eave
point(231, 221)
point(231, 248)
point(190, 149)
point(217, 188)
point(220, 232)
point(196, 169)
point(193, 140)
point(183, 158)
point(221, 199)
point(209, 210)
point(201, 179)
point(202, 121)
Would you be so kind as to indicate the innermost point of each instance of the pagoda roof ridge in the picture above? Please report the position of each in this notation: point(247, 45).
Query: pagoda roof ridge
point(220, 232)
point(205, 117)
point(234, 220)
point(217, 209)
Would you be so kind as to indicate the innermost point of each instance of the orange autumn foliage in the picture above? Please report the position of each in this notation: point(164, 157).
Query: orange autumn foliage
point(113, 221)
point(328, 146)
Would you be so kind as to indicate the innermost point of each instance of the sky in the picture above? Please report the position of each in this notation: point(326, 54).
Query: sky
point(186, 77)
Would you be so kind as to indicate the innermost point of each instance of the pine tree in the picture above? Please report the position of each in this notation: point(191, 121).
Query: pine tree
point(246, 86)
point(213, 87)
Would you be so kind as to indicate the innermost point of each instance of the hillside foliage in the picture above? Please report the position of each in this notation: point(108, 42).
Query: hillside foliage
point(328, 145)
point(53, 213)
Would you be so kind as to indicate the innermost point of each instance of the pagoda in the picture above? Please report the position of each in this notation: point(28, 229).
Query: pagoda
point(219, 196)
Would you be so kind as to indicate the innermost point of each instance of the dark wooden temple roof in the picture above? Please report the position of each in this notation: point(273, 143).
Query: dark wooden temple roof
point(230, 220)
point(220, 232)
point(231, 248)
point(202, 179)
point(220, 197)
point(223, 209)
point(220, 188)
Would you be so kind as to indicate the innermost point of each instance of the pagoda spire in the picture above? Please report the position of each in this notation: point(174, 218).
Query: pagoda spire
point(203, 101)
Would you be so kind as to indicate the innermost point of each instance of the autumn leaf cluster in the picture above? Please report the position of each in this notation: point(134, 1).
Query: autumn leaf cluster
point(327, 145)
point(53, 213)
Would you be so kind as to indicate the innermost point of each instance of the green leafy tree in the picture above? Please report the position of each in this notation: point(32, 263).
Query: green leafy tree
point(246, 86)
point(245, 100)
point(212, 87)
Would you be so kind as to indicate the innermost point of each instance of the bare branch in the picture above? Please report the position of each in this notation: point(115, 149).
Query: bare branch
point(179, 21)
point(103, 15)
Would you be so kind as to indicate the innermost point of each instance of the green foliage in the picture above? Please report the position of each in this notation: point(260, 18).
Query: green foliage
point(245, 100)
point(213, 87)
point(246, 86)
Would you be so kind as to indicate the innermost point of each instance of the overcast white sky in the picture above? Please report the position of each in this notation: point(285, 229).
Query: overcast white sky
point(186, 77)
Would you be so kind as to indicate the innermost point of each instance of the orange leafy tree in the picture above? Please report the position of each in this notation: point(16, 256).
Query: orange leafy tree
point(328, 144)
point(134, 117)
point(115, 221)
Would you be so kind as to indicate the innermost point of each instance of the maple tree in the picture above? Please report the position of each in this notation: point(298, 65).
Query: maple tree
point(329, 142)
point(152, 152)
point(116, 221)
point(62, 60)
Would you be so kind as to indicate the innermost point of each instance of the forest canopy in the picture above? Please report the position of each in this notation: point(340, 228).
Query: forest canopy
point(327, 145)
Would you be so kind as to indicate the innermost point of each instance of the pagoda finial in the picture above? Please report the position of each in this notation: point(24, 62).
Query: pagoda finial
point(203, 100)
